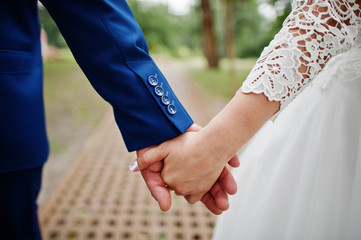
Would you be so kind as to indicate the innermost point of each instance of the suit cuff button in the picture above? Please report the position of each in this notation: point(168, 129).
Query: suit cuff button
point(153, 80)
point(159, 91)
point(172, 109)
point(165, 100)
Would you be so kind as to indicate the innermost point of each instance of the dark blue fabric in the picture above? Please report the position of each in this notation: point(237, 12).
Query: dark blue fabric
point(18, 209)
point(111, 50)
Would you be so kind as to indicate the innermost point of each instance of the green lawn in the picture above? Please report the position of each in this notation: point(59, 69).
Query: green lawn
point(218, 82)
point(72, 106)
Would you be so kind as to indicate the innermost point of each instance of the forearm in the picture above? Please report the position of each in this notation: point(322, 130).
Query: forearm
point(243, 116)
point(313, 33)
point(111, 50)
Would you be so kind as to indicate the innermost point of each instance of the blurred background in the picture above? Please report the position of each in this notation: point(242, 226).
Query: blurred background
point(214, 43)
point(217, 40)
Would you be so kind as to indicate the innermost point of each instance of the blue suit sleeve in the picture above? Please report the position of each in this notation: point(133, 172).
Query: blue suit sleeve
point(109, 46)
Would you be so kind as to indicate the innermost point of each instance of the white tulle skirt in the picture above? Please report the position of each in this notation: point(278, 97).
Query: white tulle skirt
point(300, 176)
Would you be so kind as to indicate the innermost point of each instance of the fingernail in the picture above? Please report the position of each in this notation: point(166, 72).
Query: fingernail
point(133, 166)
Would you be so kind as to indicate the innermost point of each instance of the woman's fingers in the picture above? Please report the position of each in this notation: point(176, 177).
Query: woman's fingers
point(210, 203)
point(220, 196)
point(234, 162)
point(156, 186)
point(227, 182)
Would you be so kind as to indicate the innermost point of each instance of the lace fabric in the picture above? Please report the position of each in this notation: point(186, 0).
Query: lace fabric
point(346, 67)
point(314, 32)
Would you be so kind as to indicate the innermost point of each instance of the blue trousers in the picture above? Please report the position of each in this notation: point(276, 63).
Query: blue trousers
point(18, 208)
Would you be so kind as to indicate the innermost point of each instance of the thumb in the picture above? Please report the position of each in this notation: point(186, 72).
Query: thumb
point(148, 158)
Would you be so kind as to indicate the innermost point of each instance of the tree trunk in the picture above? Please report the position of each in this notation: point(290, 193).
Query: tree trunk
point(230, 46)
point(209, 38)
point(229, 30)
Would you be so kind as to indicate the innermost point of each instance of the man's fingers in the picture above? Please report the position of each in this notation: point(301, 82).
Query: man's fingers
point(156, 186)
point(234, 162)
point(210, 203)
point(143, 150)
point(227, 182)
point(156, 168)
point(220, 196)
point(150, 157)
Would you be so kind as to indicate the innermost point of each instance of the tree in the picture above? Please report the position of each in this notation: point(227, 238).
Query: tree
point(230, 44)
point(228, 21)
point(165, 32)
point(209, 38)
point(52, 31)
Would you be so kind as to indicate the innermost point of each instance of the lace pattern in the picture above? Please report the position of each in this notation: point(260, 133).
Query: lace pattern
point(312, 34)
point(346, 67)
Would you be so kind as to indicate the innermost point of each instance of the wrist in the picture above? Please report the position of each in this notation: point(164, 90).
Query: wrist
point(237, 123)
point(220, 143)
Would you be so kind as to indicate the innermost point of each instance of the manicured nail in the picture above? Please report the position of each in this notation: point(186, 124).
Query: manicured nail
point(133, 166)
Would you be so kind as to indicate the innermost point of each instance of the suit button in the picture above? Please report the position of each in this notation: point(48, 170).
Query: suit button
point(165, 100)
point(153, 80)
point(159, 91)
point(172, 109)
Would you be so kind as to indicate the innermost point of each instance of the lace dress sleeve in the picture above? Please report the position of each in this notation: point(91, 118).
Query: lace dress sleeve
point(312, 34)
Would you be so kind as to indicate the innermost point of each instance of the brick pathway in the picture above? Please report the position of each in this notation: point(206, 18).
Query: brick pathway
point(98, 198)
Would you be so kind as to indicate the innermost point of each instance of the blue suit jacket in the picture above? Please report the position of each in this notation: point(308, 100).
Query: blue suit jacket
point(110, 48)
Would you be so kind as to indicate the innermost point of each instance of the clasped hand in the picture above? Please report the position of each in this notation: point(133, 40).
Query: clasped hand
point(192, 167)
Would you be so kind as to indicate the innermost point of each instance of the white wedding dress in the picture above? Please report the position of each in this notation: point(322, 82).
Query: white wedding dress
point(300, 176)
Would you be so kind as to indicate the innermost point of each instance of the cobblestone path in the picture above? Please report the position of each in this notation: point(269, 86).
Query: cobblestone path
point(98, 198)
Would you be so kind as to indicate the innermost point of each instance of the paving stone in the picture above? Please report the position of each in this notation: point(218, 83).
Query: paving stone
point(99, 198)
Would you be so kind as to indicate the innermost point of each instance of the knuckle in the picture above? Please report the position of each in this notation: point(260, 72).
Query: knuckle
point(142, 160)
point(167, 178)
point(202, 189)
point(181, 190)
point(192, 201)
point(189, 199)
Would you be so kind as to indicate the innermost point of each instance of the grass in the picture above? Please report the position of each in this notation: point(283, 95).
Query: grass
point(72, 106)
point(220, 83)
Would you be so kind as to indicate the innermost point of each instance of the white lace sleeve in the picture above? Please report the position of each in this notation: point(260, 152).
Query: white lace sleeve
point(314, 32)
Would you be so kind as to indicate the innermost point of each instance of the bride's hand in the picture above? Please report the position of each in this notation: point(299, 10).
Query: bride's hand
point(192, 166)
